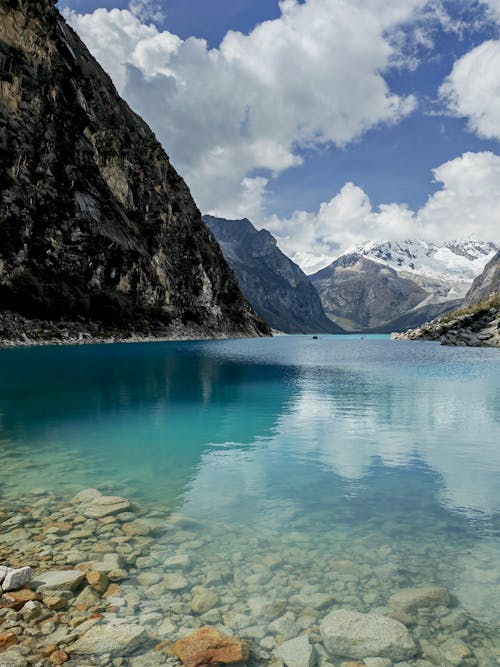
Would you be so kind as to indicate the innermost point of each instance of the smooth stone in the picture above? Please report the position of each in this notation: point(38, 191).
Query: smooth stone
point(410, 599)
point(105, 506)
point(203, 600)
point(3, 572)
point(88, 495)
point(297, 652)
point(175, 582)
point(64, 580)
point(377, 662)
point(116, 640)
point(351, 634)
point(178, 562)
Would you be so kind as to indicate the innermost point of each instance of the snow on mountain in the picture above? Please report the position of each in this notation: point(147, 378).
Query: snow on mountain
point(445, 270)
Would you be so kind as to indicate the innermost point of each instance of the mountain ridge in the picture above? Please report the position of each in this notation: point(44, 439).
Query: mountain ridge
point(95, 223)
point(276, 287)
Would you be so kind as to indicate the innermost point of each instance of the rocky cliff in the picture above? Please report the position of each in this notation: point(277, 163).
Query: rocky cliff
point(95, 223)
point(277, 288)
point(360, 294)
point(487, 283)
point(476, 323)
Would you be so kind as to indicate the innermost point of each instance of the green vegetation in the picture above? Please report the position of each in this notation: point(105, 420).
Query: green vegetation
point(475, 309)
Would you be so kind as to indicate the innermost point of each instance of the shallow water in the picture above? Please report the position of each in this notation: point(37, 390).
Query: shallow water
point(381, 454)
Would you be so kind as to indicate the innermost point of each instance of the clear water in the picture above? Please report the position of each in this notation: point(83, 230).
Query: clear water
point(382, 453)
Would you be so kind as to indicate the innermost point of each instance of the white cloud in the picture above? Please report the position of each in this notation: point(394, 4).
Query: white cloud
point(147, 10)
point(472, 90)
point(312, 77)
point(467, 205)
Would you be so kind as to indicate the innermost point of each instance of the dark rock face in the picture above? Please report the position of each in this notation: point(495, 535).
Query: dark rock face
point(360, 294)
point(487, 283)
point(277, 288)
point(94, 221)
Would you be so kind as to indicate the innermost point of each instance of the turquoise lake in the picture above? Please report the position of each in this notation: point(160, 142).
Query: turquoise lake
point(373, 456)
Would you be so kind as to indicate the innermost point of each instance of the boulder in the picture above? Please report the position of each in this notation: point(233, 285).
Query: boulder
point(297, 652)
point(117, 640)
point(351, 634)
point(210, 646)
point(103, 506)
point(411, 599)
point(62, 580)
point(203, 600)
point(14, 579)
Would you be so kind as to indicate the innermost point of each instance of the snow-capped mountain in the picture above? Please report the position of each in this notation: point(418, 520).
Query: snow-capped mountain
point(444, 270)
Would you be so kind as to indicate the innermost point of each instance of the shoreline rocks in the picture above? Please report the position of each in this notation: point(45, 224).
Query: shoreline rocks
point(477, 325)
point(110, 597)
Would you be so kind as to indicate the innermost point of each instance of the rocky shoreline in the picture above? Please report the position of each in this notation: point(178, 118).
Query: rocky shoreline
point(19, 331)
point(98, 580)
point(474, 326)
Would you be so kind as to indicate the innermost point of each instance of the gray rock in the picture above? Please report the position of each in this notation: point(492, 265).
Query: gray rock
point(297, 652)
point(35, 611)
point(3, 572)
point(377, 662)
point(103, 506)
point(63, 580)
point(203, 600)
point(351, 634)
point(15, 579)
point(116, 640)
point(411, 599)
point(454, 651)
point(175, 582)
point(13, 659)
point(285, 626)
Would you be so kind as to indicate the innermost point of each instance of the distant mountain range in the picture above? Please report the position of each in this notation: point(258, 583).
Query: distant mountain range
point(381, 286)
point(277, 288)
point(360, 294)
point(392, 285)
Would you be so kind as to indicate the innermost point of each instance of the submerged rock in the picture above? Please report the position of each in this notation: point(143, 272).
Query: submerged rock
point(117, 640)
point(410, 599)
point(61, 580)
point(297, 652)
point(210, 646)
point(351, 634)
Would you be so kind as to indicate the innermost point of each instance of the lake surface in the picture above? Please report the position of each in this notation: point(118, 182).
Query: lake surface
point(357, 467)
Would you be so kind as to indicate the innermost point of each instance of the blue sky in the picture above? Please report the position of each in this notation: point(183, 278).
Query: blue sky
point(388, 155)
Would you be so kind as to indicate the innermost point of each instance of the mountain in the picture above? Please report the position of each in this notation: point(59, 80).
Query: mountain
point(360, 294)
point(278, 289)
point(476, 323)
point(487, 283)
point(95, 223)
point(444, 270)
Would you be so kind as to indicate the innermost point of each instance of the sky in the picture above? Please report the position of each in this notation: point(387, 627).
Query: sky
point(328, 122)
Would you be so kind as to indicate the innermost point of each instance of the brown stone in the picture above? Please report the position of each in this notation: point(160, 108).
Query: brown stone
point(7, 639)
point(98, 580)
point(17, 599)
point(58, 657)
point(55, 602)
point(62, 526)
point(112, 591)
point(209, 646)
point(47, 650)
